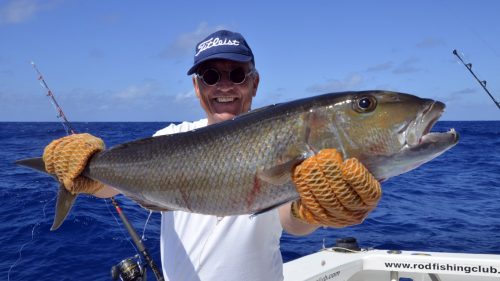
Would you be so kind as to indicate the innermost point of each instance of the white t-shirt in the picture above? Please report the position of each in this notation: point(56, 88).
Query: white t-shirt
point(202, 247)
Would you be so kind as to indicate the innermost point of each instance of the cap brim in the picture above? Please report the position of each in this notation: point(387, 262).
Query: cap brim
point(222, 56)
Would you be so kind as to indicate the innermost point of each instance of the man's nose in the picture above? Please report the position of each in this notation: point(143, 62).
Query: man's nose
point(225, 81)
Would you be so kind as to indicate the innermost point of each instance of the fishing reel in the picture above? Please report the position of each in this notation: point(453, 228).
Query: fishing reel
point(129, 269)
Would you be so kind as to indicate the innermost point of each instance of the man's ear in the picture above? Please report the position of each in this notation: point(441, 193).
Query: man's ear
point(196, 86)
point(256, 81)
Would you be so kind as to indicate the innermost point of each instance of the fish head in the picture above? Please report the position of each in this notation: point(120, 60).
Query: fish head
point(388, 132)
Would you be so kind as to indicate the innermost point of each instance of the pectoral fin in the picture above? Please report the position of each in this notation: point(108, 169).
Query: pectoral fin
point(279, 174)
point(144, 203)
point(271, 208)
point(64, 203)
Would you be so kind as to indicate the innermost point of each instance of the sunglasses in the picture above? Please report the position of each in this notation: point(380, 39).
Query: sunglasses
point(212, 76)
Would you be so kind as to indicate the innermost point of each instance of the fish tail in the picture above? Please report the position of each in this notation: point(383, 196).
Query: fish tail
point(33, 163)
point(65, 199)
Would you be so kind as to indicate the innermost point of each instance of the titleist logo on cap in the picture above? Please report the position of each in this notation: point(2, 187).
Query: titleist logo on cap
point(214, 42)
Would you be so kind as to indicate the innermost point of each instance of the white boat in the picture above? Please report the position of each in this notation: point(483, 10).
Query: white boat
point(331, 264)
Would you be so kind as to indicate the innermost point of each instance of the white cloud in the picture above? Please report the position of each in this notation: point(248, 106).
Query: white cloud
point(350, 82)
point(135, 92)
point(460, 94)
point(19, 11)
point(185, 43)
point(186, 96)
point(407, 66)
point(380, 67)
point(430, 42)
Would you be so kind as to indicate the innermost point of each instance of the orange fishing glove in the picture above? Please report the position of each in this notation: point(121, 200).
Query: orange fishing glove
point(334, 192)
point(67, 157)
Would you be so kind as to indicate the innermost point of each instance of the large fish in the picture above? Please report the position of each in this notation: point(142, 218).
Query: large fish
point(243, 166)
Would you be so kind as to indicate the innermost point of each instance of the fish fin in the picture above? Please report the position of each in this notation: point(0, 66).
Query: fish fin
point(269, 208)
point(254, 111)
point(145, 204)
point(33, 163)
point(152, 207)
point(279, 174)
point(65, 200)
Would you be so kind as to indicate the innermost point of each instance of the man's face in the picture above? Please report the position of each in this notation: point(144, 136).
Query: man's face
point(225, 99)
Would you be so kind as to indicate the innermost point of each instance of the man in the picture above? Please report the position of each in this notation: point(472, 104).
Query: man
point(204, 247)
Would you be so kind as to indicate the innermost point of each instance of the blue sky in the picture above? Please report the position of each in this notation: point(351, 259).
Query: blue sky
point(127, 60)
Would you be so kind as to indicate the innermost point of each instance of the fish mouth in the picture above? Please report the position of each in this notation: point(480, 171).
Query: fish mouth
point(420, 134)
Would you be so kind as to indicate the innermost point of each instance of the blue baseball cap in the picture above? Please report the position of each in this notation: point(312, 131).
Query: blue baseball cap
point(222, 44)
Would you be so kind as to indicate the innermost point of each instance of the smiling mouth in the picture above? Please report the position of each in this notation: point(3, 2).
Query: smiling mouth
point(224, 99)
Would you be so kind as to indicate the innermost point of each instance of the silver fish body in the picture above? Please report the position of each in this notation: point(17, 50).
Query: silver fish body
point(244, 165)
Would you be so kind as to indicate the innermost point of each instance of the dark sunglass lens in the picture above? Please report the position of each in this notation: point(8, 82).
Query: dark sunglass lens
point(237, 76)
point(211, 77)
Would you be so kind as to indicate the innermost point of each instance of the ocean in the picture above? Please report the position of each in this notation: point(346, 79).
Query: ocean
point(451, 204)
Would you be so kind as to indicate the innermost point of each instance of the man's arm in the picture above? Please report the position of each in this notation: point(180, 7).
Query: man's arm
point(293, 225)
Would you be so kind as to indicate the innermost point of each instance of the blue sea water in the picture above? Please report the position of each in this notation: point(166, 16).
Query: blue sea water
point(450, 204)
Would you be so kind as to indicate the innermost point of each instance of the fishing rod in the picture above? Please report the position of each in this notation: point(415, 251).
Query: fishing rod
point(53, 101)
point(123, 267)
point(481, 82)
point(127, 269)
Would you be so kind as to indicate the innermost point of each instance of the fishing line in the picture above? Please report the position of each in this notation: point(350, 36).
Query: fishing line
point(66, 124)
point(21, 249)
point(47, 203)
point(133, 234)
point(145, 225)
point(121, 227)
point(69, 130)
point(32, 237)
point(486, 43)
point(481, 82)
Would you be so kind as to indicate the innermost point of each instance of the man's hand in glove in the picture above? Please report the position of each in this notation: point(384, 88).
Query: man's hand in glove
point(334, 192)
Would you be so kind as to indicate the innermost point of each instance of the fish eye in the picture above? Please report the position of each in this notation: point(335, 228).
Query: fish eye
point(365, 104)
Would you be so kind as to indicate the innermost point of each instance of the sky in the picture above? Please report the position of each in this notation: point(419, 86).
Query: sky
point(127, 60)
